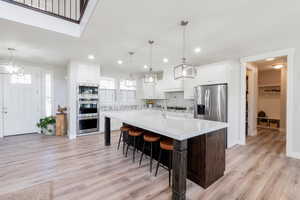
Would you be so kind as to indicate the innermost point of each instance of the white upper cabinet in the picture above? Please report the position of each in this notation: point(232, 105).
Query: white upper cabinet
point(149, 91)
point(152, 91)
point(206, 75)
point(159, 92)
point(88, 73)
point(169, 83)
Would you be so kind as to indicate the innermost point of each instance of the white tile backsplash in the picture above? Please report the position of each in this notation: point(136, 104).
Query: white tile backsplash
point(176, 99)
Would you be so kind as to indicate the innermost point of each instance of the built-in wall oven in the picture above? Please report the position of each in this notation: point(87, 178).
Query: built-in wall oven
point(88, 108)
point(88, 125)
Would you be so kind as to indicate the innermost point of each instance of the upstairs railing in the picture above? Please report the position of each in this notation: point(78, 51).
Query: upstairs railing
point(71, 10)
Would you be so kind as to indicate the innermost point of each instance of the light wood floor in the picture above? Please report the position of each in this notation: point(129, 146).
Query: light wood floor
point(35, 167)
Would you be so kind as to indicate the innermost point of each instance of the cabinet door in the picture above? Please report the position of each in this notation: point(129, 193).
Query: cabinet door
point(159, 92)
point(169, 83)
point(212, 74)
point(188, 87)
point(88, 73)
point(149, 92)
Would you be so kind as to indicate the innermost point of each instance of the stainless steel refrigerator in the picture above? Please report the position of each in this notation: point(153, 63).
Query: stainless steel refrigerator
point(211, 103)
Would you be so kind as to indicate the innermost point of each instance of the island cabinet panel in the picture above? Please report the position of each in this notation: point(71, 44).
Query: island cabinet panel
point(206, 158)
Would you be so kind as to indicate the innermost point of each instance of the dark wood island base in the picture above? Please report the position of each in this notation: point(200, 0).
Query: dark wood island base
point(200, 159)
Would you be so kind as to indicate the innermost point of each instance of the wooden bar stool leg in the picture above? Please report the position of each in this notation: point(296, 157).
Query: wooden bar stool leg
point(151, 157)
point(121, 134)
point(129, 138)
point(134, 148)
point(142, 153)
point(170, 166)
point(124, 143)
point(158, 161)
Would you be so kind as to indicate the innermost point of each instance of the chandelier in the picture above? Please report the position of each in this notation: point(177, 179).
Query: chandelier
point(9, 67)
point(150, 77)
point(184, 70)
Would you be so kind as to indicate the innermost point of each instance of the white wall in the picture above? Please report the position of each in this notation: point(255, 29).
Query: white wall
point(283, 99)
point(1, 103)
point(294, 136)
point(233, 102)
point(252, 98)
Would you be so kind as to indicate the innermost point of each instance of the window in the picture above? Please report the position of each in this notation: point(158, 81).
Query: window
point(48, 94)
point(107, 83)
point(107, 91)
point(127, 85)
point(20, 79)
point(127, 95)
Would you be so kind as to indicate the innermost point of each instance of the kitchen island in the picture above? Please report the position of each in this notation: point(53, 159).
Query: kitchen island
point(199, 145)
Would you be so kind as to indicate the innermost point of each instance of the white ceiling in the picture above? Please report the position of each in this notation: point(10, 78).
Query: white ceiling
point(223, 29)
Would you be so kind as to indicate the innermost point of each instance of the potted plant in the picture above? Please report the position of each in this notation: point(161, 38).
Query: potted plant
point(47, 125)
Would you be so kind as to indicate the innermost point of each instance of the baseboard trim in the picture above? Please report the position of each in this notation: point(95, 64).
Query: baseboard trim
point(240, 142)
point(295, 155)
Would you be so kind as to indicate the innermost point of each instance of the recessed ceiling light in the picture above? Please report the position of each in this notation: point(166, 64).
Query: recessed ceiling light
point(91, 57)
point(120, 62)
point(165, 60)
point(270, 59)
point(146, 66)
point(197, 50)
point(279, 66)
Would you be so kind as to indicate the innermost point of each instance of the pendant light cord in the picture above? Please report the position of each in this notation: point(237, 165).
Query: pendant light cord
point(183, 43)
point(183, 24)
point(151, 56)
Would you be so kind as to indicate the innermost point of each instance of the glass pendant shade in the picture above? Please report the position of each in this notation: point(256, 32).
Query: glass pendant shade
point(150, 78)
point(184, 71)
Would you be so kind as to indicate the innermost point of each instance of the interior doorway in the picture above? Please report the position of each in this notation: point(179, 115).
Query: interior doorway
point(288, 55)
point(266, 82)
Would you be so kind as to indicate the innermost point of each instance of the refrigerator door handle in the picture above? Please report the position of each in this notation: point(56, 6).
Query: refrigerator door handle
point(207, 103)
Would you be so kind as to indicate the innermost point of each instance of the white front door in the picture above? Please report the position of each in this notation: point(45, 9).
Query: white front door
point(21, 102)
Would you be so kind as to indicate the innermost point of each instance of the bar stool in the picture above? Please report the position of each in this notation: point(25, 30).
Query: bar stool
point(166, 145)
point(149, 138)
point(133, 134)
point(123, 129)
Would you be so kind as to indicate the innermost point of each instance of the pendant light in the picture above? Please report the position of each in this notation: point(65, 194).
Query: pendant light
point(184, 70)
point(150, 77)
point(10, 66)
point(130, 82)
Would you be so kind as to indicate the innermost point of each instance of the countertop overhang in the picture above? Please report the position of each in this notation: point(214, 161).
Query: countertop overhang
point(179, 128)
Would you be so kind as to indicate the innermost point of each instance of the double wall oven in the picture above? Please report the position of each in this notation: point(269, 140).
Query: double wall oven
point(87, 108)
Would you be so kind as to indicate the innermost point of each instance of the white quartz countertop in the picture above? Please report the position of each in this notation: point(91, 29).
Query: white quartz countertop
point(174, 126)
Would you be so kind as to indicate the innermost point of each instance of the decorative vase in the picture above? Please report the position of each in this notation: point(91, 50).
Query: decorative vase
point(50, 131)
